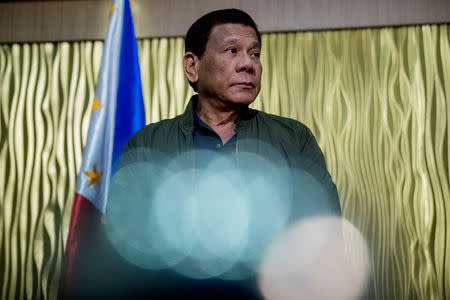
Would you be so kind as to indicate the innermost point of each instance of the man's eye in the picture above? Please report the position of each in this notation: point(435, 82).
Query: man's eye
point(256, 54)
point(231, 50)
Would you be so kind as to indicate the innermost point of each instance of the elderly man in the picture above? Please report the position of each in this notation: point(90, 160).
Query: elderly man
point(207, 191)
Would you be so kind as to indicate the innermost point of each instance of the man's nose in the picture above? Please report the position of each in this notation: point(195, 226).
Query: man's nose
point(245, 63)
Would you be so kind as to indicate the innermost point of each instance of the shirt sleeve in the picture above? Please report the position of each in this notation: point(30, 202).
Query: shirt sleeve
point(312, 162)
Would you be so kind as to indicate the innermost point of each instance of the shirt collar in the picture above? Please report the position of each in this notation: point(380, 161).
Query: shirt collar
point(187, 119)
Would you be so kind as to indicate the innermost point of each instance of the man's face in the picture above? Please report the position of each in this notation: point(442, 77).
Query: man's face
point(230, 68)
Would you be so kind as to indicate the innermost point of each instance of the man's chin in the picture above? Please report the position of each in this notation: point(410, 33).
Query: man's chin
point(242, 99)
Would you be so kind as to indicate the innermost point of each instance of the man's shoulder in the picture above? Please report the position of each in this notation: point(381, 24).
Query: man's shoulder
point(280, 123)
point(277, 118)
point(153, 142)
point(286, 133)
point(157, 128)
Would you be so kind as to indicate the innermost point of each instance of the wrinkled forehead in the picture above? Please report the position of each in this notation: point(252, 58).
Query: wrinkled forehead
point(233, 33)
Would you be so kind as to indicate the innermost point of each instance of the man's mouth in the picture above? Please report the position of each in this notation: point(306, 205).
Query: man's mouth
point(244, 85)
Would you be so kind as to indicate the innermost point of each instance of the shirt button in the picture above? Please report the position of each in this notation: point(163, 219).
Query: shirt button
point(218, 146)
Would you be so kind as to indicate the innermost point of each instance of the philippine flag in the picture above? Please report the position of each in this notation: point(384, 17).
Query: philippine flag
point(117, 113)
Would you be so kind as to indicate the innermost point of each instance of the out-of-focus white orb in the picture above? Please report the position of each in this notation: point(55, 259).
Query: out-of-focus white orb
point(317, 258)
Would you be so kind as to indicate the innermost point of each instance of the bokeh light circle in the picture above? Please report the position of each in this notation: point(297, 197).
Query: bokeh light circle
point(135, 236)
point(317, 258)
point(213, 221)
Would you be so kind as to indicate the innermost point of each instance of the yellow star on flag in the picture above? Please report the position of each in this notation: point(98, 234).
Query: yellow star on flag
point(113, 8)
point(94, 176)
point(96, 104)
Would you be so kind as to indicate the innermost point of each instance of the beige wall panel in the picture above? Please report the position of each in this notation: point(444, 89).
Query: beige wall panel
point(87, 20)
point(172, 17)
point(53, 20)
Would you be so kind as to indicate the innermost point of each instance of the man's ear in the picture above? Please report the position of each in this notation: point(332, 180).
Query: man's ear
point(190, 64)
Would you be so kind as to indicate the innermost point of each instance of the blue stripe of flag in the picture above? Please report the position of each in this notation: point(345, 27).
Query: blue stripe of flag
point(130, 115)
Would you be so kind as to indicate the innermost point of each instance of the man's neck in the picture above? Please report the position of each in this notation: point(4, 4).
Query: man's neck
point(219, 116)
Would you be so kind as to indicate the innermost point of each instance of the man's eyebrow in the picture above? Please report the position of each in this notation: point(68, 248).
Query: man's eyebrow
point(227, 41)
point(256, 44)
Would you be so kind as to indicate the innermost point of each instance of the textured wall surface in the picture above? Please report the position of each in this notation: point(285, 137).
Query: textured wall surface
point(81, 20)
point(377, 101)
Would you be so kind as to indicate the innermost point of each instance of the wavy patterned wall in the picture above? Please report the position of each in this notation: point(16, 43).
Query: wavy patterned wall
point(376, 99)
point(378, 102)
point(45, 92)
